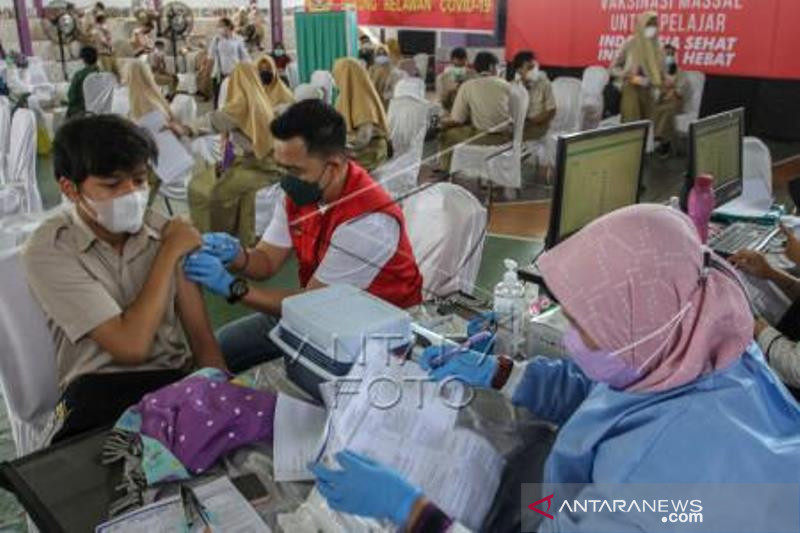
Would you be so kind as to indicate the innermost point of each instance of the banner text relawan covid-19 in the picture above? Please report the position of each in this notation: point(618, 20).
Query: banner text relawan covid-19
point(757, 38)
point(458, 15)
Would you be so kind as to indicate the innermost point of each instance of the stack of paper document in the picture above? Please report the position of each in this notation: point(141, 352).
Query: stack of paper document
point(393, 413)
point(227, 510)
point(298, 437)
point(767, 300)
point(175, 161)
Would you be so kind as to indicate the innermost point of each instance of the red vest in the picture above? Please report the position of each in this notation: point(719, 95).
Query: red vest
point(399, 281)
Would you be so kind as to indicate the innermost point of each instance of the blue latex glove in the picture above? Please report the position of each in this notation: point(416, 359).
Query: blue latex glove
point(208, 270)
point(365, 488)
point(222, 246)
point(485, 321)
point(471, 367)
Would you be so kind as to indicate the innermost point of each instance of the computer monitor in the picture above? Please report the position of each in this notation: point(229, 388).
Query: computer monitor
point(715, 147)
point(598, 172)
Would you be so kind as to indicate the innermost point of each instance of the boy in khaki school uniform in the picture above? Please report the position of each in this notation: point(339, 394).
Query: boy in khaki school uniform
point(480, 111)
point(107, 273)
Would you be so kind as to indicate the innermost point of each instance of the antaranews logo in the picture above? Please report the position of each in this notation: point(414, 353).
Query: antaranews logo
point(549, 500)
point(672, 511)
point(661, 507)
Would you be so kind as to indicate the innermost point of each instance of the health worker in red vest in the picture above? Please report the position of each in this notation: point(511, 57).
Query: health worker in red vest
point(340, 223)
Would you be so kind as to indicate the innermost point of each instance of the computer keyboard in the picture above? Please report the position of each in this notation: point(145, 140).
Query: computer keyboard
point(741, 236)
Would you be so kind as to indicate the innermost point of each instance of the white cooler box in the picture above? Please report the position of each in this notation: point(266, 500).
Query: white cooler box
point(323, 332)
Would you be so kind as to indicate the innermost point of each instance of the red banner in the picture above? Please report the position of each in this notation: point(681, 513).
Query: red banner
point(460, 15)
point(757, 38)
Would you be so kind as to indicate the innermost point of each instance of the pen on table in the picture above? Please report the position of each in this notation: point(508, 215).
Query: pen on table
point(328, 431)
point(193, 505)
point(447, 354)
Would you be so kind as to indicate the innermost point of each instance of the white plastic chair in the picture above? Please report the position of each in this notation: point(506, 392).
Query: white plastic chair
point(190, 59)
point(616, 120)
point(567, 93)
point(184, 108)
point(170, 63)
point(593, 84)
point(267, 200)
point(121, 102)
point(5, 132)
point(37, 72)
point(73, 67)
point(208, 148)
point(22, 159)
point(306, 91)
point(408, 66)
point(407, 117)
point(408, 124)
point(27, 368)
point(421, 62)
point(62, 88)
point(10, 204)
point(293, 74)
point(757, 171)
point(187, 83)
point(696, 82)
point(15, 228)
point(324, 80)
point(98, 92)
point(447, 228)
point(411, 87)
point(18, 80)
point(501, 165)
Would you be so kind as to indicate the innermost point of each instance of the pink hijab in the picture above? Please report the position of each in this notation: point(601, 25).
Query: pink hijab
point(633, 272)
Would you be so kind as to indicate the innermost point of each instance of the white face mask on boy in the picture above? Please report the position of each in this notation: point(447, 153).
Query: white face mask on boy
point(123, 214)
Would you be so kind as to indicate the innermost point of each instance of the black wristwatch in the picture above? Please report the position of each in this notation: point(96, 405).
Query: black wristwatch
point(238, 290)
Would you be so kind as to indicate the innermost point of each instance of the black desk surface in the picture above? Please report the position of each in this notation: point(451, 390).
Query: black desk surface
point(38, 481)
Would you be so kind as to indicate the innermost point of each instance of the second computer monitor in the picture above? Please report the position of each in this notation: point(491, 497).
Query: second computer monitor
point(598, 172)
point(715, 147)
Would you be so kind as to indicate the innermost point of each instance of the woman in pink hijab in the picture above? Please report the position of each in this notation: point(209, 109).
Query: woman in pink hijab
point(664, 386)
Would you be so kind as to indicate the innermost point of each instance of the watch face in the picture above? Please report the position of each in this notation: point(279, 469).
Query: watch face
point(239, 289)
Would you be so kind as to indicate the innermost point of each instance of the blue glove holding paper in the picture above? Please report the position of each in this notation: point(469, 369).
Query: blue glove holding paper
point(208, 270)
point(366, 488)
point(222, 246)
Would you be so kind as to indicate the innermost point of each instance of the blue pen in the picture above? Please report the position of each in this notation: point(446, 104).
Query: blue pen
point(446, 355)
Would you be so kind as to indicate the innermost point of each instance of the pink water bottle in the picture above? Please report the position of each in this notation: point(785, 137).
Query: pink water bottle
point(701, 204)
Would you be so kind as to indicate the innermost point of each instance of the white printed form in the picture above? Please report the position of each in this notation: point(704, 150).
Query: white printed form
point(399, 417)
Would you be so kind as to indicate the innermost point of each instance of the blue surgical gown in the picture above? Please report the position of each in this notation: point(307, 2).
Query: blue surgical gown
point(737, 425)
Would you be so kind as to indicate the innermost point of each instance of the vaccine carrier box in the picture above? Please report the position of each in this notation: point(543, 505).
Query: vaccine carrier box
point(322, 332)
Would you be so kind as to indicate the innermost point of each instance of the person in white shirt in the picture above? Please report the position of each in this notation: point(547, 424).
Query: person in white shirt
point(226, 50)
point(341, 228)
point(781, 351)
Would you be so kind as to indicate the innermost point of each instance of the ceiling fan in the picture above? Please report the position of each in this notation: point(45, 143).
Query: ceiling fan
point(60, 25)
point(176, 22)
